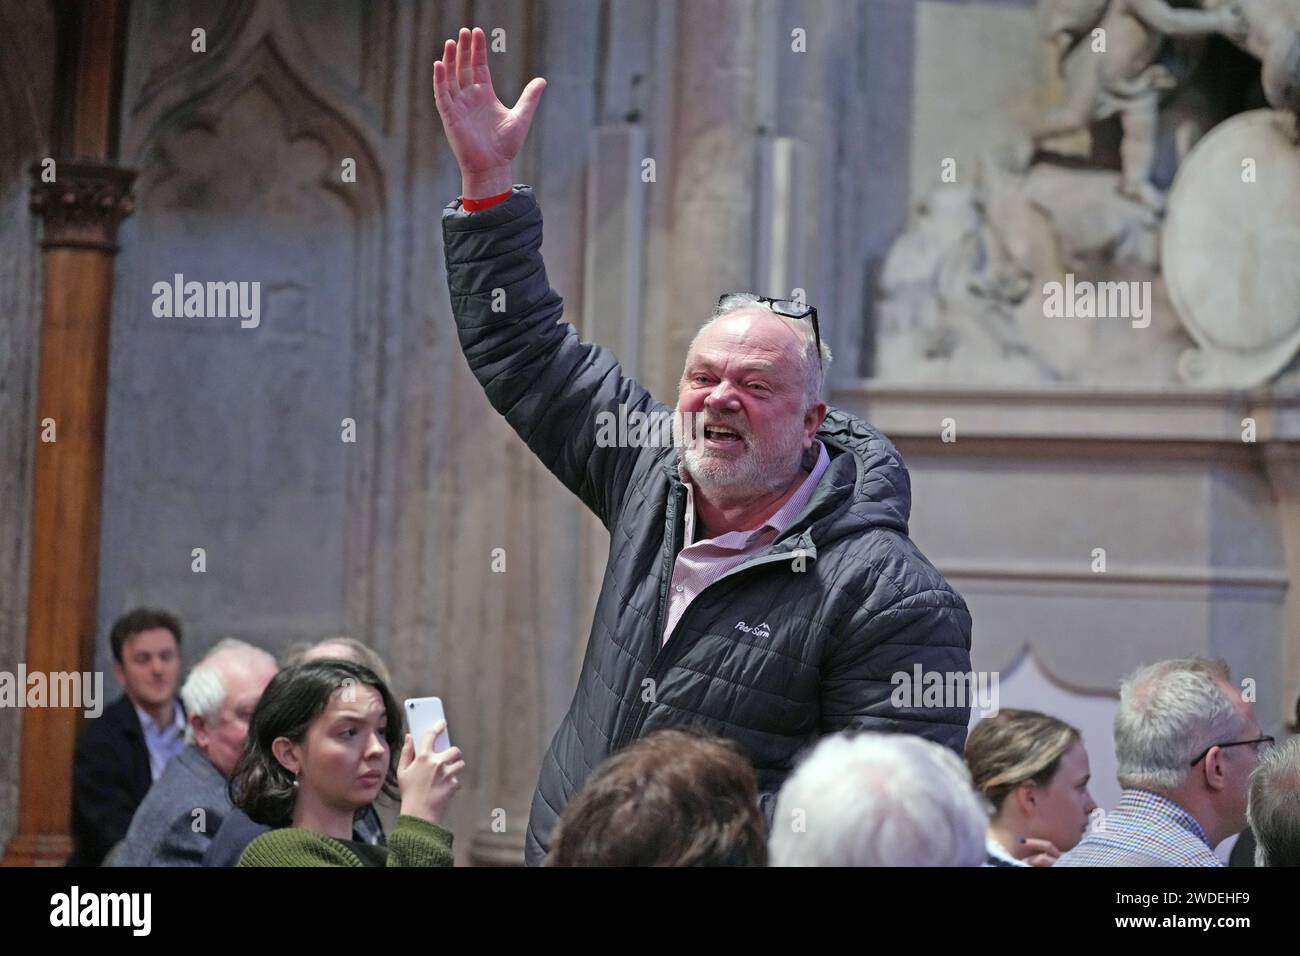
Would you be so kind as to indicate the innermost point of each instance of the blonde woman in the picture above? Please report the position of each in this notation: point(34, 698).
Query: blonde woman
point(1033, 771)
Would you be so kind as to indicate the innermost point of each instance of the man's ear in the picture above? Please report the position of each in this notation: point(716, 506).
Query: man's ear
point(812, 420)
point(287, 753)
point(120, 673)
point(1215, 777)
point(199, 724)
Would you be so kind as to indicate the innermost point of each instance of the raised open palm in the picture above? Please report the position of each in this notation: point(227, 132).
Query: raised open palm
point(485, 135)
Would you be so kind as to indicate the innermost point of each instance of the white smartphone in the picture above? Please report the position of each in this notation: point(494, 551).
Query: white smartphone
point(421, 714)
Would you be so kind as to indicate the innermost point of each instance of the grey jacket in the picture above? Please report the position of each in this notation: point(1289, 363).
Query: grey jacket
point(178, 817)
point(773, 655)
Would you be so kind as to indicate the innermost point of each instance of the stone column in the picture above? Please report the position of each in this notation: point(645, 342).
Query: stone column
point(81, 207)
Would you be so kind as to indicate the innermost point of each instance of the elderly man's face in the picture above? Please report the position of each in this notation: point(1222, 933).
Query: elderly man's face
point(744, 384)
point(222, 738)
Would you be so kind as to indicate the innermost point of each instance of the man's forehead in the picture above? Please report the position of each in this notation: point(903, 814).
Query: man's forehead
point(762, 336)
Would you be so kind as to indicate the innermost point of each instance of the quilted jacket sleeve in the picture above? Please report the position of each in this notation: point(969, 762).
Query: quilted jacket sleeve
point(869, 677)
point(550, 386)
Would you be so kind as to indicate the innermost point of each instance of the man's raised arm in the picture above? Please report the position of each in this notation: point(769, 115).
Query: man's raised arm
point(554, 390)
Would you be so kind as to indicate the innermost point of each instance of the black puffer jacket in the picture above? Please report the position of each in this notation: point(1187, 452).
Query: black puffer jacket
point(773, 655)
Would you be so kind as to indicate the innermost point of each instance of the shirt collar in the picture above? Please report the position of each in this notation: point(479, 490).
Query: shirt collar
point(998, 851)
point(784, 515)
point(147, 724)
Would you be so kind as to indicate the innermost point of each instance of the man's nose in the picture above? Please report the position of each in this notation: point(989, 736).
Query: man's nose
point(723, 396)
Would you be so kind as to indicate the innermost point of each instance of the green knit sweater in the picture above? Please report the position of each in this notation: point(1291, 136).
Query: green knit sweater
point(413, 842)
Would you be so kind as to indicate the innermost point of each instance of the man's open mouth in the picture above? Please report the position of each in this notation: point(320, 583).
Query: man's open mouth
point(721, 435)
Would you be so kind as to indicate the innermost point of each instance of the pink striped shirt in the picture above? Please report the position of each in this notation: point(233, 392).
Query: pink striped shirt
point(701, 563)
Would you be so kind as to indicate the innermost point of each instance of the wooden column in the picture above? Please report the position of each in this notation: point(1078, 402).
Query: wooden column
point(81, 209)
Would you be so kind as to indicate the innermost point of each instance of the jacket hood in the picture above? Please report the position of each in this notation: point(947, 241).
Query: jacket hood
point(866, 485)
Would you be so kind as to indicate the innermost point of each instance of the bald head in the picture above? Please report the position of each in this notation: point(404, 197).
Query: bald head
point(804, 354)
point(754, 407)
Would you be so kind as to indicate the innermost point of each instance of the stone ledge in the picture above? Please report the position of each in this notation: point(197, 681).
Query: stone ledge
point(1053, 413)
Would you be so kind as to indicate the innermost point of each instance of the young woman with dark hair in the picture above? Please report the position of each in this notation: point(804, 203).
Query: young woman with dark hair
point(326, 738)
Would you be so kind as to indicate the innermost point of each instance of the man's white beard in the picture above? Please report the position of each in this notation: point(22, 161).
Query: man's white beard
point(761, 469)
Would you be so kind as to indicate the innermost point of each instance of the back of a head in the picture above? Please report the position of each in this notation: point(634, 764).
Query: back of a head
point(1168, 712)
point(879, 800)
point(339, 648)
point(1274, 810)
point(670, 799)
point(1013, 746)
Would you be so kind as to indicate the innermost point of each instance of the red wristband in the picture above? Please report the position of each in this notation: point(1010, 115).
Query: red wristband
point(474, 205)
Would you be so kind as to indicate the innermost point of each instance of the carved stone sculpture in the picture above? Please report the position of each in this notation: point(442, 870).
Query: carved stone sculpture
point(972, 289)
point(1231, 250)
point(1115, 72)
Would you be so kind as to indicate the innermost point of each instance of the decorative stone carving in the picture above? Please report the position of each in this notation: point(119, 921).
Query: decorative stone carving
point(1232, 250)
point(84, 205)
point(967, 291)
point(1272, 36)
point(961, 292)
point(1123, 77)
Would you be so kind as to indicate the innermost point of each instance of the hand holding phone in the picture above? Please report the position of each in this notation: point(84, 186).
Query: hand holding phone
point(427, 778)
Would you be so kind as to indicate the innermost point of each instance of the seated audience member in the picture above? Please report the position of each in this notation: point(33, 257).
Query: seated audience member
point(1243, 851)
point(1033, 770)
point(121, 753)
point(875, 799)
point(219, 695)
point(338, 648)
point(1274, 806)
point(238, 830)
point(323, 743)
point(672, 798)
point(1186, 742)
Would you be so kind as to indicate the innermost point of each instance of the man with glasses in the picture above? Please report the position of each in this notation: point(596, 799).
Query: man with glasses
point(1186, 740)
point(761, 585)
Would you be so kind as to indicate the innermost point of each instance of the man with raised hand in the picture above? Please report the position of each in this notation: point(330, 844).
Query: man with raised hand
point(760, 584)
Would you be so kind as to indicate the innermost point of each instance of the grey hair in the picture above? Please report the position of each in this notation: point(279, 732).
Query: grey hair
point(1168, 713)
point(814, 374)
point(360, 653)
point(876, 799)
point(204, 691)
point(1274, 808)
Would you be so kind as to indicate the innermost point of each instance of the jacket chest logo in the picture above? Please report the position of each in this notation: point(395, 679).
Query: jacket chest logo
point(755, 630)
